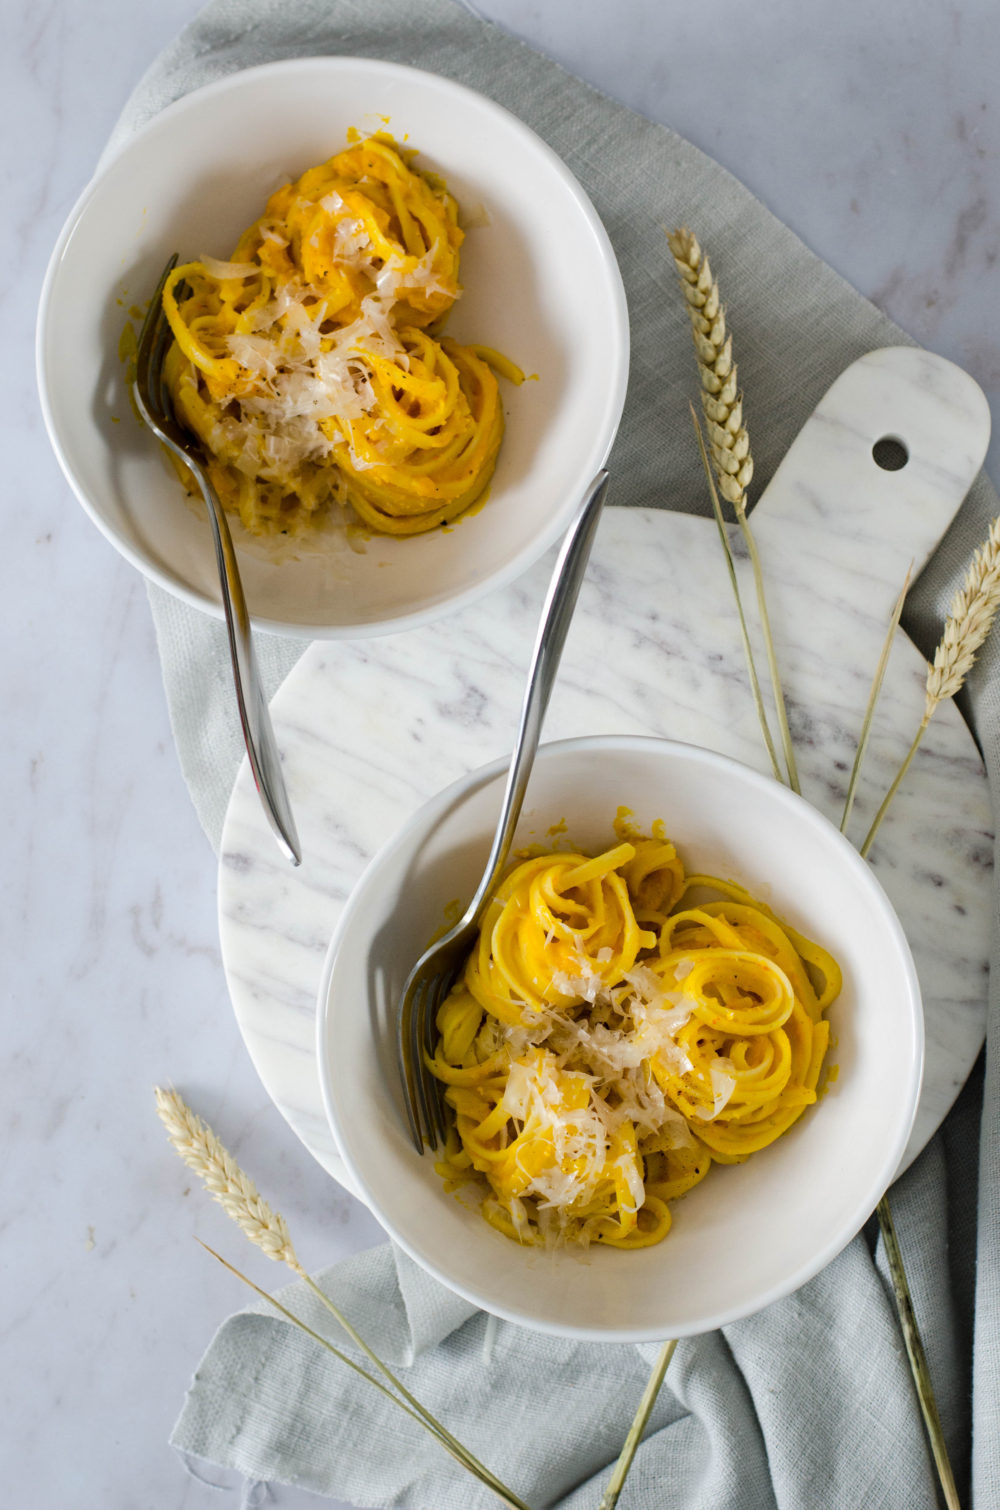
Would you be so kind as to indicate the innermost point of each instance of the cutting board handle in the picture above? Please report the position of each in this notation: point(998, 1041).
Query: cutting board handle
point(832, 512)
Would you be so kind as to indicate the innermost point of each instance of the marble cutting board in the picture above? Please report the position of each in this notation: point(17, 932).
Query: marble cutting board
point(371, 728)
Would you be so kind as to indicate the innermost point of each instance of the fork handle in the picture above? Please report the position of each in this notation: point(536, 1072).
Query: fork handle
point(557, 615)
point(255, 720)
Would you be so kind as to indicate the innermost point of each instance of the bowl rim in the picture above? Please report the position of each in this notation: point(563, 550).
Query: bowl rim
point(615, 387)
point(880, 1175)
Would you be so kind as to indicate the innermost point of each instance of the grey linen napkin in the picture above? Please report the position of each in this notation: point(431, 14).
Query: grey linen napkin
point(808, 1404)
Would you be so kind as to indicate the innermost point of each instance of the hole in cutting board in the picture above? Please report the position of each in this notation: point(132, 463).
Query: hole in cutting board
point(890, 453)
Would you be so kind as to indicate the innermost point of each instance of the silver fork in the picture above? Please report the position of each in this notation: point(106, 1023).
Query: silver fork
point(436, 971)
point(153, 402)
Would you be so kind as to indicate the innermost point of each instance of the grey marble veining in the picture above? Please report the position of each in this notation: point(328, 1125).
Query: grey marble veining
point(371, 731)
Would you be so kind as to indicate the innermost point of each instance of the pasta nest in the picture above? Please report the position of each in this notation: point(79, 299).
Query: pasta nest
point(311, 368)
point(620, 1026)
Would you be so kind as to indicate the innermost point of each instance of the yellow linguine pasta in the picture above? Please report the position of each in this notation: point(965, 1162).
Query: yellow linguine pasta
point(310, 365)
point(619, 1027)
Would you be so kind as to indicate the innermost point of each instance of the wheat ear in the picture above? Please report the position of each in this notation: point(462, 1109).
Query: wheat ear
point(238, 1196)
point(721, 400)
point(972, 612)
point(973, 609)
point(728, 440)
point(225, 1181)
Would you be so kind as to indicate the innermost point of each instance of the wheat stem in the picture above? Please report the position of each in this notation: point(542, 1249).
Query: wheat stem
point(479, 1468)
point(744, 634)
point(453, 1448)
point(873, 695)
point(893, 789)
point(304, 1327)
point(772, 659)
point(219, 1172)
point(610, 1497)
point(917, 1356)
point(728, 439)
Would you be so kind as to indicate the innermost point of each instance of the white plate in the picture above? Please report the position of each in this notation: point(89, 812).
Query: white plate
point(541, 284)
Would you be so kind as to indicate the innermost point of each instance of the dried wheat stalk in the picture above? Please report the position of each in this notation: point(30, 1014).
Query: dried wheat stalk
point(722, 402)
point(917, 1357)
point(729, 443)
point(755, 691)
point(873, 696)
point(973, 609)
point(972, 612)
point(223, 1178)
point(238, 1196)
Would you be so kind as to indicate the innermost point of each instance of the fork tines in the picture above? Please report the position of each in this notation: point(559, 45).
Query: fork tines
point(422, 998)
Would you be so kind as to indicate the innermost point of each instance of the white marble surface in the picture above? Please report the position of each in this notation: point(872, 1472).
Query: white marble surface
point(874, 134)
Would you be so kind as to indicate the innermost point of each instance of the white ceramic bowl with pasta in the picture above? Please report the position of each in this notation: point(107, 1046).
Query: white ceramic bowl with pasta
point(748, 1234)
point(540, 284)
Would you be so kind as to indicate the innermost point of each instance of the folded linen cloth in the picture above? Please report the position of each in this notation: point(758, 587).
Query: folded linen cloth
point(810, 1402)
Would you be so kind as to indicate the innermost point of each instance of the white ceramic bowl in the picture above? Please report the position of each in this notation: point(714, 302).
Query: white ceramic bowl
point(541, 284)
point(749, 1233)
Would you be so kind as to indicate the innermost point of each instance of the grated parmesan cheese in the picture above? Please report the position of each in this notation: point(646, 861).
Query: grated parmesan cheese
point(304, 376)
point(564, 1150)
point(723, 1085)
point(223, 270)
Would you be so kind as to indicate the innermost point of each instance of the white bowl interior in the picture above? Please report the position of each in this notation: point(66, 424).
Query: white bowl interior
point(749, 1233)
point(540, 283)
